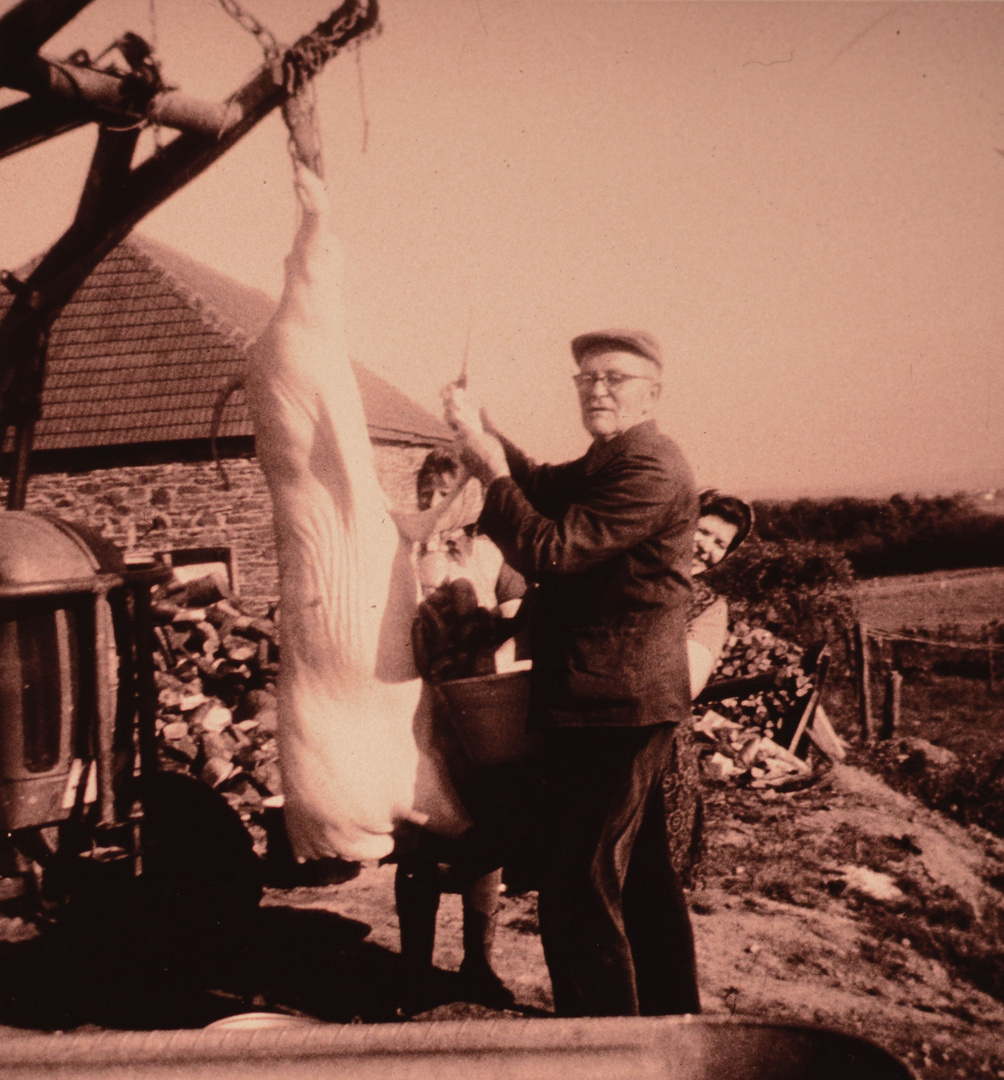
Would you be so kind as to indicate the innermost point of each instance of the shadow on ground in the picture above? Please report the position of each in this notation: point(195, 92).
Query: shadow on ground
point(291, 960)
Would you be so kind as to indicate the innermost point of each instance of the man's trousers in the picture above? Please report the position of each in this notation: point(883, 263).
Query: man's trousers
point(613, 917)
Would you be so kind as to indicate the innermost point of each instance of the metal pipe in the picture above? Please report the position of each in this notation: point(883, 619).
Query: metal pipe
point(104, 709)
point(177, 110)
point(99, 583)
point(611, 1048)
point(101, 95)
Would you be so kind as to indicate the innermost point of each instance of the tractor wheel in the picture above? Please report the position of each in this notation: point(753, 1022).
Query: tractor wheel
point(200, 881)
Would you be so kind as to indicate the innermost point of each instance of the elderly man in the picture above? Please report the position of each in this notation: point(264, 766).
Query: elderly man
point(608, 539)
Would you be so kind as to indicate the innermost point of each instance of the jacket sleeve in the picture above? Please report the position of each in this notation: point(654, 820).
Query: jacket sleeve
point(543, 485)
point(629, 500)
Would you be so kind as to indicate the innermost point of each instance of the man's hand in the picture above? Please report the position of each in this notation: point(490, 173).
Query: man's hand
point(481, 452)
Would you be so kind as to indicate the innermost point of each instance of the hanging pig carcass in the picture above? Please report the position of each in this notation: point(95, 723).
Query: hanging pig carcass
point(355, 733)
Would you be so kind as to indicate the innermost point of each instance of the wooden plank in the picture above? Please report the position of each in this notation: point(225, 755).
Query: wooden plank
point(862, 664)
point(822, 666)
point(891, 704)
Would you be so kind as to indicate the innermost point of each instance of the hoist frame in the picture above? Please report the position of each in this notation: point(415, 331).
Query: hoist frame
point(68, 94)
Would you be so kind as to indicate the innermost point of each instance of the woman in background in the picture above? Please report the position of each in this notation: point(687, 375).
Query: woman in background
point(723, 523)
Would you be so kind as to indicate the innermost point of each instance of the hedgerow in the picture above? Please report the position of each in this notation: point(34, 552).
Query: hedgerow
point(799, 590)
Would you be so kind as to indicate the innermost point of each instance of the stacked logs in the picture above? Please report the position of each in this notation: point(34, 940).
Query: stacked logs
point(215, 668)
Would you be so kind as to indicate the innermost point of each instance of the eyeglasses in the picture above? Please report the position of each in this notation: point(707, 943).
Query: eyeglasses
point(612, 380)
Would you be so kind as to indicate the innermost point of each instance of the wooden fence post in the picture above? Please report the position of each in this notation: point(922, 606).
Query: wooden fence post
point(890, 707)
point(862, 666)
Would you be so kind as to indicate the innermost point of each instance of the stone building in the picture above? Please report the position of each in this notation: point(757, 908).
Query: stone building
point(137, 360)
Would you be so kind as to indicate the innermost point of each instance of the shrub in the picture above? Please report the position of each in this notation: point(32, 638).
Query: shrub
point(798, 590)
point(970, 792)
point(900, 535)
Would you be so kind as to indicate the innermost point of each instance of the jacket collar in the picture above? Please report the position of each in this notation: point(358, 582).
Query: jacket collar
point(639, 437)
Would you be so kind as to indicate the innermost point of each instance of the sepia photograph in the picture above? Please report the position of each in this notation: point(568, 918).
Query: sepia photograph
point(502, 539)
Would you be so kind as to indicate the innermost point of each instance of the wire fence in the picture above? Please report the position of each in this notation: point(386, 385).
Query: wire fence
point(880, 659)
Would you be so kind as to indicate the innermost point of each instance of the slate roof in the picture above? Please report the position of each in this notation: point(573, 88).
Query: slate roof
point(141, 352)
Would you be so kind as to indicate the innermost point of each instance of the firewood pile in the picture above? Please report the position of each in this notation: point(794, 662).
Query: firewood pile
point(730, 751)
point(767, 705)
point(215, 667)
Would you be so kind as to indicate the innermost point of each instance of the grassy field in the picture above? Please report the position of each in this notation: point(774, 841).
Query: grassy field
point(968, 599)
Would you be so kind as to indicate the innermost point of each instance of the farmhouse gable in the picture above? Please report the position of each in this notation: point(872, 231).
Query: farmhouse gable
point(136, 362)
point(145, 346)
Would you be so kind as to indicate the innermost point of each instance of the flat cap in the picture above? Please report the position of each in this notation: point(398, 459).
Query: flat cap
point(632, 341)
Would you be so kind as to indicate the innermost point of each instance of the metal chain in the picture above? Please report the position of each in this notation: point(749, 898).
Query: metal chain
point(306, 58)
point(303, 61)
point(264, 36)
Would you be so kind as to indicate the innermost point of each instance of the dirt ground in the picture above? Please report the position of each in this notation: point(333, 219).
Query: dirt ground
point(843, 904)
point(791, 926)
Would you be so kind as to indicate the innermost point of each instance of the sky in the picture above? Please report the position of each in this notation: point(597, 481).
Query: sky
point(801, 201)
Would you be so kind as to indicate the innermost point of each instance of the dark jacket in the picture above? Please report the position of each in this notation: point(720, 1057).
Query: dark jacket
point(609, 540)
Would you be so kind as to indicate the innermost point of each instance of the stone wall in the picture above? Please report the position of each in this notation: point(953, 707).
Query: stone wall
point(148, 508)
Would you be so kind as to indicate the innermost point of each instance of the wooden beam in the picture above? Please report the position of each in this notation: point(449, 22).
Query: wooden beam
point(29, 25)
point(109, 173)
point(109, 168)
point(101, 224)
point(821, 667)
point(17, 490)
point(33, 120)
point(67, 264)
point(89, 239)
point(71, 259)
point(741, 688)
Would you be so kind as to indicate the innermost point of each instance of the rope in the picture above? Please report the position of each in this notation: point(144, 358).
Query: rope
point(362, 99)
point(304, 60)
point(299, 111)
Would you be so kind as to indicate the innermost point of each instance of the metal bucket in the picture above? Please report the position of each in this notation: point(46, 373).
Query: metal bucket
point(260, 1021)
point(489, 714)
